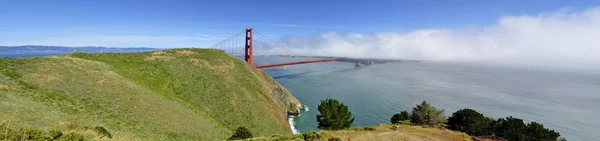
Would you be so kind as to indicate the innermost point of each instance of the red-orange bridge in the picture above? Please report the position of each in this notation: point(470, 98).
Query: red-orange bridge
point(278, 55)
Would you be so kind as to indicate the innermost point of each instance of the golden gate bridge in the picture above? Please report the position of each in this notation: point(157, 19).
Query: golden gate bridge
point(249, 43)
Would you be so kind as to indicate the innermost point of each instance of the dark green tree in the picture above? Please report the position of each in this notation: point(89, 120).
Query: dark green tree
point(469, 121)
point(425, 114)
point(537, 132)
point(400, 117)
point(334, 115)
point(512, 129)
point(515, 129)
point(241, 133)
point(474, 123)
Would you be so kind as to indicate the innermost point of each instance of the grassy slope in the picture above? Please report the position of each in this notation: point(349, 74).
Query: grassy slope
point(385, 132)
point(174, 94)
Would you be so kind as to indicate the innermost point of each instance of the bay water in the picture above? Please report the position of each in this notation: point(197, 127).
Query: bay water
point(566, 100)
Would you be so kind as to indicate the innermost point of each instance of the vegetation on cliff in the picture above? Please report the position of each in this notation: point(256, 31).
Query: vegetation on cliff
point(177, 94)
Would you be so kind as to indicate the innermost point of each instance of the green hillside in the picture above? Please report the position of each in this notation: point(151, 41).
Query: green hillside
point(180, 94)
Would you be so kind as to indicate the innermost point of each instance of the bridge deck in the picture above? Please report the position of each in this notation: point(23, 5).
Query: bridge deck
point(295, 63)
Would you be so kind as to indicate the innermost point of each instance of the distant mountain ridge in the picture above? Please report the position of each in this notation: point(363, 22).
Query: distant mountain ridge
point(37, 50)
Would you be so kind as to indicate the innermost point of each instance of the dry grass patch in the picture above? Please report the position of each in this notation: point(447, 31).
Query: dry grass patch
point(206, 64)
point(101, 82)
point(5, 87)
point(185, 52)
point(386, 132)
point(159, 53)
point(44, 78)
point(153, 58)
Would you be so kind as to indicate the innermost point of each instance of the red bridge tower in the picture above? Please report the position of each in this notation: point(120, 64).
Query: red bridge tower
point(248, 57)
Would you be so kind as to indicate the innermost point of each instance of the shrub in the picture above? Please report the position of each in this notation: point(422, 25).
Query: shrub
point(102, 131)
point(311, 136)
point(71, 137)
point(334, 115)
point(400, 117)
point(281, 138)
point(425, 114)
point(241, 133)
point(54, 134)
point(334, 139)
point(369, 128)
point(34, 134)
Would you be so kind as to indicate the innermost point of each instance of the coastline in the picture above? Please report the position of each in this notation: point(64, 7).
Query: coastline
point(293, 124)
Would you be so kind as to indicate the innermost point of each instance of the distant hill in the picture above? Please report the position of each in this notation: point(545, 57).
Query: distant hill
point(34, 50)
point(176, 94)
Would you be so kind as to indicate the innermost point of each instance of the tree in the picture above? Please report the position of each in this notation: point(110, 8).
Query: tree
point(241, 133)
point(400, 117)
point(474, 123)
point(515, 129)
point(425, 114)
point(469, 121)
point(334, 115)
point(511, 129)
point(537, 132)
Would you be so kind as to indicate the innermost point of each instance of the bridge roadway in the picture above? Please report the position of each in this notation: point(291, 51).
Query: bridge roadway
point(295, 63)
point(318, 59)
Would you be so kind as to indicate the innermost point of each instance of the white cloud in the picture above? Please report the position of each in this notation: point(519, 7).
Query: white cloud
point(560, 37)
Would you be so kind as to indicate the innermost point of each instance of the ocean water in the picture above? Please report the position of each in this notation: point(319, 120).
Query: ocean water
point(566, 100)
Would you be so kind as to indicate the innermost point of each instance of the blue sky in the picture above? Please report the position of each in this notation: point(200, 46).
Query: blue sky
point(165, 24)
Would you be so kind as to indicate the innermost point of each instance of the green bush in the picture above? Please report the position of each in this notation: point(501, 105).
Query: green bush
point(404, 122)
point(334, 139)
point(369, 128)
point(102, 131)
point(425, 114)
point(281, 138)
point(311, 136)
point(54, 134)
point(34, 134)
point(334, 115)
point(241, 133)
point(71, 137)
point(400, 117)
